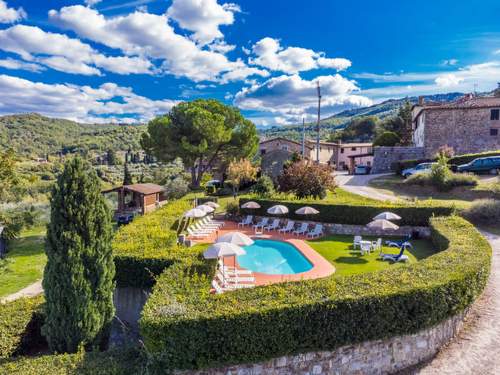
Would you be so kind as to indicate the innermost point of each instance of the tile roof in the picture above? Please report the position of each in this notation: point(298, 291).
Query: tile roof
point(146, 189)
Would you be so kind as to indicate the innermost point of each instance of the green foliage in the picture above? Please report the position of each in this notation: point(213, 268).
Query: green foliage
point(232, 209)
point(201, 133)
point(123, 361)
point(483, 211)
point(13, 222)
point(127, 177)
point(17, 321)
point(359, 129)
point(111, 157)
point(176, 187)
point(145, 247)
point(442, 179)
point(7, 172)
point(307, 179)
point(360, 213)
point(387, 138)
point(440, 173)
point(264, 187)
point(186, 327)
point(78, 277)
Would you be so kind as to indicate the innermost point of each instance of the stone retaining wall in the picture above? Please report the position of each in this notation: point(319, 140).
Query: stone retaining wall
point(385, 157)
point(363, 230)
point(371, 357)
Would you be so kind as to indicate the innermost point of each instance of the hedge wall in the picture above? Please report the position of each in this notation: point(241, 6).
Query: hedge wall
point(185, 327)
point(17, 320)
point(353, 214)
point(456, 160)
point(145, 247)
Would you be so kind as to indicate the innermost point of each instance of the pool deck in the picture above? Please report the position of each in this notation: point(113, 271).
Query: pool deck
point(321, 267)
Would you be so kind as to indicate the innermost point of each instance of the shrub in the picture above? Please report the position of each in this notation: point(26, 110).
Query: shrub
point(483, 211)
point(232, 209)
point(17, 320)
point(440, 173)
point(360, 214)
point(176, 188)
point(264, 187)
point(186, 327)
point(307, 179)
point(387, 138)
point(453, 180)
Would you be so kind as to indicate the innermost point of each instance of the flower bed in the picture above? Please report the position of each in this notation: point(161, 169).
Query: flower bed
point(185, 327)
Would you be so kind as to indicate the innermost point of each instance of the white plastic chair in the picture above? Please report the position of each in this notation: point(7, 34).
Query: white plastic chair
point(274, 225)
point(357, 242)
point(247, 221)
point(289, 227)
point(262, 223)
point(302, 230)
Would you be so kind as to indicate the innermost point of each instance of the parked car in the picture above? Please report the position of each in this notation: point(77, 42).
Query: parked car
point(124, 219)
point(489, 164)
point(419, 168)
point(362, 169)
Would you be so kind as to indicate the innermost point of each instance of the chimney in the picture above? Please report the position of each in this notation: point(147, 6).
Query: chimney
point(421, 100)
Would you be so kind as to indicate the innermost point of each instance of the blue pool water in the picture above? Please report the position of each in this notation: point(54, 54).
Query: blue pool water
point(274, 258)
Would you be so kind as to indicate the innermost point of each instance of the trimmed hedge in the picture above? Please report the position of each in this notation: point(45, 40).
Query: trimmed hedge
point(145, 247)
point(18, 319)
point(353, 214)
point(185, 327)
point(114, 362)
point(455, 160)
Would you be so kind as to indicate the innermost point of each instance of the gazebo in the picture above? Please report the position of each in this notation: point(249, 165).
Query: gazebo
point(138, 198)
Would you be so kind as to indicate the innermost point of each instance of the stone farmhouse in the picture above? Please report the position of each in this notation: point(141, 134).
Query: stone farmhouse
point(341, 156)
point(469, 125)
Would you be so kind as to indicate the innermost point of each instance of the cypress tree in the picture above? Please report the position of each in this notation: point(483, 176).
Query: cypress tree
point(78, 277)
point(127, 177)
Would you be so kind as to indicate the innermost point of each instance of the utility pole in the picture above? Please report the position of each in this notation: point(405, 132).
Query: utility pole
point(303, 138)
point(317, 126)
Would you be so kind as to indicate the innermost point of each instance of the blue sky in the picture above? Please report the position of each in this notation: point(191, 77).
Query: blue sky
point(128, 61)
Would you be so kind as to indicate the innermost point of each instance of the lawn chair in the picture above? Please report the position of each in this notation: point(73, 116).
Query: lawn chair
point(247, 221)
point(207, 223)
point(316, 232)
point(212, 222)
point(302, 230)
point(274, 225)
point(365, 247)
point(357, 242)
point(377, 245)
point(289, 227)
point(396, 257)
point(262, 223)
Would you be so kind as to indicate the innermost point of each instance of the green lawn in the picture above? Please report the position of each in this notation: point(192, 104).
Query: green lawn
point(337, 249)
point(24, 262)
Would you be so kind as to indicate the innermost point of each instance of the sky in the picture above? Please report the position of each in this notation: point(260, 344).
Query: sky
point(128, 61)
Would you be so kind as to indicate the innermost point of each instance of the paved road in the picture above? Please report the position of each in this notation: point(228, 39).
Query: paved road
point(359, 185)
point(476, 350)
point(30, 291)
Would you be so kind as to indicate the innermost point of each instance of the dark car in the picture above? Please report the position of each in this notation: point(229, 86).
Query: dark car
point(124, 219)
point(362, 169)
point(489, 164)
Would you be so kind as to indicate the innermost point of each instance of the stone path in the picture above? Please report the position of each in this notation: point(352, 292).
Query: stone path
point(30, 291)
point(476, 350)
point(358, 184)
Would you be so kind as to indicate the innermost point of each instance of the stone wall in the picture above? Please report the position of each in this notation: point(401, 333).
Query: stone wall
point(370, 357)
point(385, 157)
point(466, 130)
point(363, 230)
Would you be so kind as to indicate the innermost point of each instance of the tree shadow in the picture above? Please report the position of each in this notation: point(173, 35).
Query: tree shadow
point(351, 260)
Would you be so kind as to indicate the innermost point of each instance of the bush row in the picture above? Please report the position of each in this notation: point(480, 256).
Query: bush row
point(353, 214)
point(186, 327)
point(145, 247)
point(398, 167)
point(20, 322)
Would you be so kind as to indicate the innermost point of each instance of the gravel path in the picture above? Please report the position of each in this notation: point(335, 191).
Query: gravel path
point(476, 350)
point(30, 291)
point(358, 184)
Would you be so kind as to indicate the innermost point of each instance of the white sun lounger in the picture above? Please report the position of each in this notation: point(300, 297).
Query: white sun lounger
point(200, 228)
point(262, 223)
point(208, 222)
point(274, 225)
point(316, 232)
point(247, 221)
point(195, 234)
point(302, 229)
point(288, 228)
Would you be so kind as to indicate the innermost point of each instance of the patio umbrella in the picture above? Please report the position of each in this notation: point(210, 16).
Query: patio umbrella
point(252, 205)
point(382, 224)
point(223, 249)
point(195, 213)
point(236, 238)
point(211, 204)
point(307, 211)
point(387, 216)
point(206, 208)
point(277, 210)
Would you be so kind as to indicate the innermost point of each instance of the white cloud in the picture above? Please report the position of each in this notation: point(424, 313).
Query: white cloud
point(150, 35)
point(14, 64)
point(91, 3)
point(108, 102)
point(450, 62)
point(203, 17)
point(448, 80)
point(10, 15)
point(291, 97)
point(269, 54)
point(65, 54)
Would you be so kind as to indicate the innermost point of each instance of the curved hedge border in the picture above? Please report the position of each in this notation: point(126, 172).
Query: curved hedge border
point(144, 248)
point(185, 327)
point(353, 214)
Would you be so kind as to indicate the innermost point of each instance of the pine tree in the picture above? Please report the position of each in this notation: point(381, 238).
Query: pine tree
point(127, 177)
point(78, 277)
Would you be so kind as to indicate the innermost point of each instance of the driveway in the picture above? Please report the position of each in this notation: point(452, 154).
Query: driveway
point(358, 184)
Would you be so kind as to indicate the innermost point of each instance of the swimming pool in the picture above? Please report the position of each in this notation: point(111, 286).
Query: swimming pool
point(274, 258)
